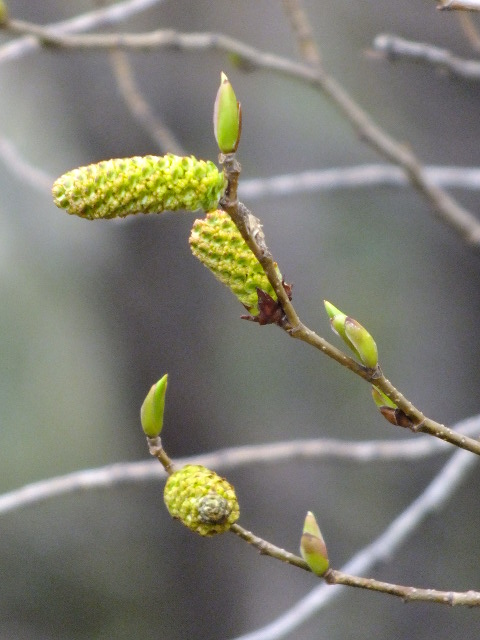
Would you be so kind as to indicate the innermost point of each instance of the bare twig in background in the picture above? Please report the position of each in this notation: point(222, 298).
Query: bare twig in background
point(231, 458)
point(113, 14)
point(459, 5)
point(396, 47)
point(337, 178)
point(25, 171)
point(435, 496)
point(303, 31)
point(370, 175)
point(140, 108)
point(470, 30)
point(466, 225)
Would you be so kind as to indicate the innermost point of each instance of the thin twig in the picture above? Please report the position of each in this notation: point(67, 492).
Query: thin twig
point(332, 576)
point(336, 178)
point(103, 17)
point(296, 329)
point(444, 206)
point(140, 108)
point(361, 176)
point(157, 451)
point(470, 30)
point(396, 47)
point(250, 228)
point(435, 497)
point(459, 5)
point(407, 594)
point(268, 549)
point(12, 159)
point(303, 31)
point(230, 458)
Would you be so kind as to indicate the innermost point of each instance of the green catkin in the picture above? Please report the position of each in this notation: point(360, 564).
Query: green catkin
point(218, 244)
point(148, 184)
point(202, 500)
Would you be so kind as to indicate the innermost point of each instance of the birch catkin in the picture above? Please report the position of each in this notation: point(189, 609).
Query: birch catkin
point(149, 184)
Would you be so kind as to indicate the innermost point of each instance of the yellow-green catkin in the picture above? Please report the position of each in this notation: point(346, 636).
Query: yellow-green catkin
point(148, 184)
point(201, 499)
point(216, 241)
point(3, 12)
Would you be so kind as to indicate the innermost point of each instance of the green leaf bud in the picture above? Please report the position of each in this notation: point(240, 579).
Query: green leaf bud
point(153, 408)
point(149, 184)
point(202, 500)
point(362, 342)
point(354, 335)
point(381, 400)
point(218, 244)
point(331, 310)
point(337, 322)
point(227, 117)
point(312, 546)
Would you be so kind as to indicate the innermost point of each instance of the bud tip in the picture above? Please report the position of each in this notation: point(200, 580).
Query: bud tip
point(153, 408)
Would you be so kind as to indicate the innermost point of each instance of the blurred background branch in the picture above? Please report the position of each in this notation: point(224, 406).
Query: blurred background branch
point(227, 459)
point(443, 205)
point(396, 47)
point(332, 179)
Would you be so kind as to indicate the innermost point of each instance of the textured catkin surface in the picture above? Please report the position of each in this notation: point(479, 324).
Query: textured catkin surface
point(216, 241)
point(148, 184)
point(205, 502)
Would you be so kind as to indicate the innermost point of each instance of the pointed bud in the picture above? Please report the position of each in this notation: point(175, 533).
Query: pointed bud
point(153, 407)
point(363, 342)
point(331, 310)
point(337, 322)
point(381, 400)
point(149, 184)
point(227, 117)
point(216, 241)
point(312, 546)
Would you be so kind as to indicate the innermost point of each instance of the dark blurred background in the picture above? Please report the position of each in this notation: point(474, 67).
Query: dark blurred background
point(93, 313)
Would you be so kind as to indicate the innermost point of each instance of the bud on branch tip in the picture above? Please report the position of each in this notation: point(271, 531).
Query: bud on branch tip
point(153, 408)
point(227, 117)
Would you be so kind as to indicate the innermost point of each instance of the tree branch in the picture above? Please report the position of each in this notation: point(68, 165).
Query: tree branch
point(103, 17)
point(303, 31)
point(251, 231)
point(140, 108)
point(444, 206)
point(230, 458)
point(396, 47)
point(459, 5)
point(435, 496)
point(35, 177)
point(361, 176)
point(470, 30)
point(337, 178)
